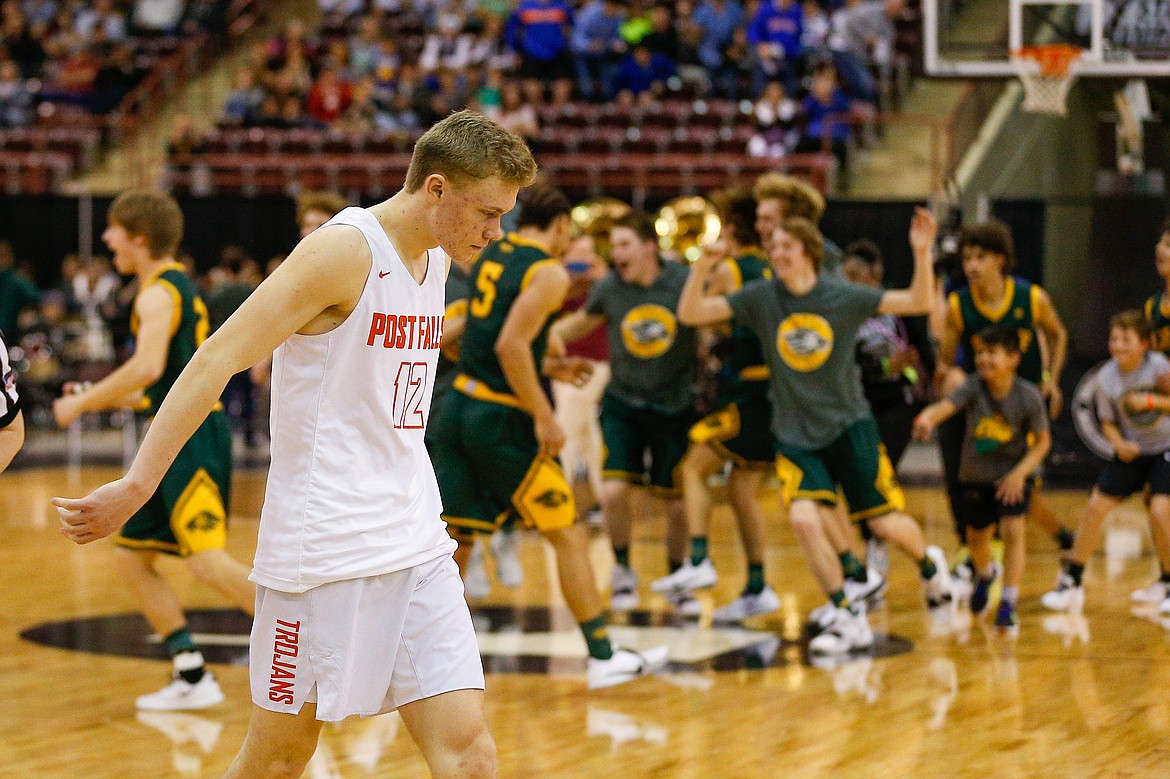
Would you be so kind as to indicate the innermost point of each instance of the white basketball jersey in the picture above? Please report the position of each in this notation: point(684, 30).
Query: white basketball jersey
point(351, 491)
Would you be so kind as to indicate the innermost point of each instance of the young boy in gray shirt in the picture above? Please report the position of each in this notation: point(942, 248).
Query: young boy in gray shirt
point(1006, 440)
point(1131, 413)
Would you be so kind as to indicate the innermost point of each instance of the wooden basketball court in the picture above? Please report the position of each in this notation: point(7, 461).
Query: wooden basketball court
point(1084, 696)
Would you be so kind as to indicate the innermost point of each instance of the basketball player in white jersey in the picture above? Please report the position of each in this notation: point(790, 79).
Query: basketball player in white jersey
point(359, 606)
point(11, 417)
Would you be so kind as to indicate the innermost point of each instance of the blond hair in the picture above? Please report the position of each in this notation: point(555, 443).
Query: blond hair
point(467, 145)
point(153, 215)
point(799, 197)
point(323, 200)
point(809, 237)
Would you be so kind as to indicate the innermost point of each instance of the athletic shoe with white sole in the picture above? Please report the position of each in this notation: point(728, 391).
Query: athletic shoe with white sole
point(939, 590)
point(625, 665)
point(684, 603)
point(624, 589)
point(849, 631)
point(1068, 595)
point(1154, 593)
point(181, 695)
point(506, 550)
point(822, 616)
point(688, 577)
point(747, 605)
point(869, 591)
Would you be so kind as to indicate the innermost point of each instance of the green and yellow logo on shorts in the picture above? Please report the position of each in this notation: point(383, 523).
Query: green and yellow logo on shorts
point(804, 341)
point(649, 330)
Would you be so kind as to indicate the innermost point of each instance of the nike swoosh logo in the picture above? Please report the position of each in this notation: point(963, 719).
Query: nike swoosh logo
point(383, 274)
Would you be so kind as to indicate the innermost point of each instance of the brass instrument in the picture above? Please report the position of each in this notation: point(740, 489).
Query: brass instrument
point(595, 216)
point(686, 223)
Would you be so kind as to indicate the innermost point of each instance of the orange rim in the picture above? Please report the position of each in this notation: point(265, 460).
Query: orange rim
point(1054, 59)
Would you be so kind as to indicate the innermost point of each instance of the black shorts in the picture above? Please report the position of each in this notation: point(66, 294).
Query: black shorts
point(558, 68)
point(982, 509)
point(1120, 480)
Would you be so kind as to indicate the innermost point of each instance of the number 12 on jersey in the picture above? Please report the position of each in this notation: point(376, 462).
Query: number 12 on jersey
point(409, 389)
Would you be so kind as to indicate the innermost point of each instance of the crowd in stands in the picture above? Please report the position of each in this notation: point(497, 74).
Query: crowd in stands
point(88, 54)
point(395, 66)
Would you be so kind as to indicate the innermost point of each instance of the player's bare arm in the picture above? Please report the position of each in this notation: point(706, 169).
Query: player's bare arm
point(155, 309)
point(1010, 489)
point(931, 417)
point(1056, 336)
point(919, 296)
point(544, 296)
point(575, 326)
point(312, 292)
point(696, 307)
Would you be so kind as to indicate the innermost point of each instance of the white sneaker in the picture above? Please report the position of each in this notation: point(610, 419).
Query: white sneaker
point(1154, 593)
point(181, 695)
point(849, 631)
point(822, 616)
point(747, 605)
point(684, 603)
point(625, 589)
point(1068, 596)
point(689, 577)
point(869, 591)
point(506, 550)
point(624, 665)
point(1165, 607)
point(962, 585)
point(475, 578)
point(939, 589)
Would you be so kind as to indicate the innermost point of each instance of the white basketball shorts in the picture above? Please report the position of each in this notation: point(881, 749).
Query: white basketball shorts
point(364, 646)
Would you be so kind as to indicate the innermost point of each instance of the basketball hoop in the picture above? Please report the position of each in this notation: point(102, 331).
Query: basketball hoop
point(1047, 72)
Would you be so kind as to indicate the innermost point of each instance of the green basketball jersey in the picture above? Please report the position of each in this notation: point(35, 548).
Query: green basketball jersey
point(501, 273)
point(1017, 310)
point(1156, 313)
point(745, 350)
point(189, 328)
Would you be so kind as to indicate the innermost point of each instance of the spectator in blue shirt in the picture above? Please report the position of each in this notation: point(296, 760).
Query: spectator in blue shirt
point(598, 46)
point(774, 33)
point(717, 21)
point(826, 111)
point(539, 30)
point(642, 76)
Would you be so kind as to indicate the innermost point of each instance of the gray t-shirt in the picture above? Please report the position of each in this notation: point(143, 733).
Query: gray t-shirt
point(808, 342)
point(652, 356)
point(1150, 430)
point(998, 431)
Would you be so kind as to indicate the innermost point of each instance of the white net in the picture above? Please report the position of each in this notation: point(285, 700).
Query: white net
point(1047, 76)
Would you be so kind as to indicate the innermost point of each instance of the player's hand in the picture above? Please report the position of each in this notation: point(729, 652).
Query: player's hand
point(549, 435)
point(711, 254)
point(1136, 402)
point(923, 230)
point(922, 428)
point(99, 513)
point(1127, 451)
point(1010, 489)
point(570, 370)
point(66, 409)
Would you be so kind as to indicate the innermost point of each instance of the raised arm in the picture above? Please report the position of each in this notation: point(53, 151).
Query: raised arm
point(697, 306)
point(919, 296)
point(544, 296)
point(155, 309)
point(317, 286)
